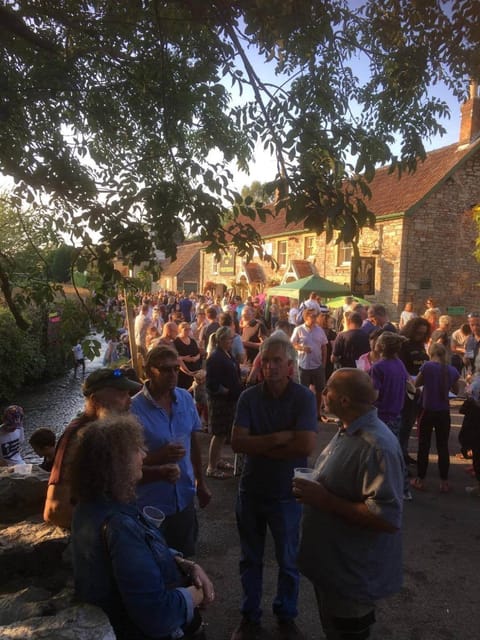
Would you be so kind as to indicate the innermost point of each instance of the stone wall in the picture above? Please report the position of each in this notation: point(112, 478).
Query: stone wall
point(429, 253)
point(440, 240)
point(36, 593)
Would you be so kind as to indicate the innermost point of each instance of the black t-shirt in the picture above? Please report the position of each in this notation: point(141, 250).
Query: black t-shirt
point(413, 355)
point(350, 345)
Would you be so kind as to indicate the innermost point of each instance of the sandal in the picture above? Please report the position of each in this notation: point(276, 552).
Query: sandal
point(444, 486)
point(225, 465)
point(217, 474)
point(417, 484)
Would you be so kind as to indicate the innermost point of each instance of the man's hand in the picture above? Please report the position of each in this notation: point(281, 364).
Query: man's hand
point(169, 472)
point(311, 492)
point(168, 453)
point(174, 451)
point(282, 438)
point(166, 472)
point(204, 495)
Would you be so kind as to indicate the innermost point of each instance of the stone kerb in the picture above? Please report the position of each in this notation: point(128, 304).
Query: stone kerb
point(31, 551)
point(82, 622)
point(22, 495)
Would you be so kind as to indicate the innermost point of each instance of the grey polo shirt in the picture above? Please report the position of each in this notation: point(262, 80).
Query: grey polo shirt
point(363, 463)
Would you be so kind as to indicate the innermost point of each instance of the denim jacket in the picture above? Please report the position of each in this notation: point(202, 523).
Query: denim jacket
point(128, 570)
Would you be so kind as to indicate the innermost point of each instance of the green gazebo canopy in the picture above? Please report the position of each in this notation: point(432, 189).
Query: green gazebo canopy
point(301, 289)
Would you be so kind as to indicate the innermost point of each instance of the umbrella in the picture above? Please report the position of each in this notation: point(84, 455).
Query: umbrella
point(334, 303)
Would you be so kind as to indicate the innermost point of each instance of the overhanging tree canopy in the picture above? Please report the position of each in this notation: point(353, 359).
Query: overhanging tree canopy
point(110, 111)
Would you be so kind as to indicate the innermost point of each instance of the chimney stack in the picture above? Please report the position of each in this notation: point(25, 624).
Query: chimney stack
point(470, 125)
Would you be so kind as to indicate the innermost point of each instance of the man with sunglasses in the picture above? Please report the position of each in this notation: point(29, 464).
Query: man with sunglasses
point(172, 471)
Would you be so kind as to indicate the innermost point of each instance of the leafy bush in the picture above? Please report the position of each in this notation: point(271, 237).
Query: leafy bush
point(22, 358)
point(45, 350)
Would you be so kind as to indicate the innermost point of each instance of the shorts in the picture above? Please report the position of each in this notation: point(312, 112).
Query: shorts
point(314, 377)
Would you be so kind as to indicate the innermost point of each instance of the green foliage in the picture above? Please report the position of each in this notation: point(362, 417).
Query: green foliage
point(111, 111)
point(60, 262)
point(22, 360)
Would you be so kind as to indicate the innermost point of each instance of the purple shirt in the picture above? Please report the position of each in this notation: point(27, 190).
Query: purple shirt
point(437, 382)
point(389, 378)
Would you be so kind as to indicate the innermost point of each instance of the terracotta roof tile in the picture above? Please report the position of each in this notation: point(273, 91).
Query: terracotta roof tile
point(303, 268)
point(390, 194)
point(185, 253)
point(254, 272)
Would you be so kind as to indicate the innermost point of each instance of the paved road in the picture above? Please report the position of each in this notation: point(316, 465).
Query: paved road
point(440, 598)
point(441, 593)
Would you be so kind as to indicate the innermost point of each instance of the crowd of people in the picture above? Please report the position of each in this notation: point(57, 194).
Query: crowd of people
point(259, 379)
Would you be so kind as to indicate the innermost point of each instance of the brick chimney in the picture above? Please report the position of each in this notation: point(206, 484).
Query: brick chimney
point(470, 125)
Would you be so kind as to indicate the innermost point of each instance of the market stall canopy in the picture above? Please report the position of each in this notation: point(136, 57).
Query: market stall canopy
point(334, 303)
point(301, 289)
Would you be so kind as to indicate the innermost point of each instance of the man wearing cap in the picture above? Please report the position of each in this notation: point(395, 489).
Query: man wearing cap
point(106, 391)
point(312, 302)
point(170, 424)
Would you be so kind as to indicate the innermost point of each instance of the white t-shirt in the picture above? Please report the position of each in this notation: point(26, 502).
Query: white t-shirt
point(10, 442)
point(313, 337)
point(78, 352)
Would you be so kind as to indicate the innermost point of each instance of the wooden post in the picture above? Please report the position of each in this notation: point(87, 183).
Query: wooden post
point(136, 364)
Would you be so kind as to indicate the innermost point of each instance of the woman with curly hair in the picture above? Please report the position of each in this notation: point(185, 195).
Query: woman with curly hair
point(121, 560)
point(413, 354)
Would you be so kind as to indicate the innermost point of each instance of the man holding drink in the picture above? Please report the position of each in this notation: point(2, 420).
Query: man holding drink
point(172, 472)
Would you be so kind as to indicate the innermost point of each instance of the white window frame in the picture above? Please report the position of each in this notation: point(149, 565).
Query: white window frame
point(344, 254)
point(279, 244)
point(309, 253)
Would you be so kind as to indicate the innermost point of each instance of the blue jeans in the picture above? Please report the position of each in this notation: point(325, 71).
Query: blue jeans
point(283, 520)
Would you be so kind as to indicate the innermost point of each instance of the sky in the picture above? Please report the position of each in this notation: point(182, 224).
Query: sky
point(263, 168)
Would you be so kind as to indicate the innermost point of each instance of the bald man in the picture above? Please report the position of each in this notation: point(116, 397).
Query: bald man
point(351, 546)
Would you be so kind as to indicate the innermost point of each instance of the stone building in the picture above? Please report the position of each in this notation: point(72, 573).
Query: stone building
point(183, 273)
point(422, 246)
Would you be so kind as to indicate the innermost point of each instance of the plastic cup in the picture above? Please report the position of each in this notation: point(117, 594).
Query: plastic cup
point(23, 469)
point(303, 472)
point(156, 516)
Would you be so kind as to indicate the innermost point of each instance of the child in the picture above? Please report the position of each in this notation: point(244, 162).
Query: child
point(42, 442)
point(199, 391)
point(78, 358)
point(11, 436)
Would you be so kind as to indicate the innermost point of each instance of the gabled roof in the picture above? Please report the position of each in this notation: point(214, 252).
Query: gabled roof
point(393, 195)
point(185, 253)
point(303, 268)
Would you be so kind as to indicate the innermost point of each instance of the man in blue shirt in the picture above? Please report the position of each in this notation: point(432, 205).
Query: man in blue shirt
point(275, 427)
point(173, 465)
point(351, 546)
